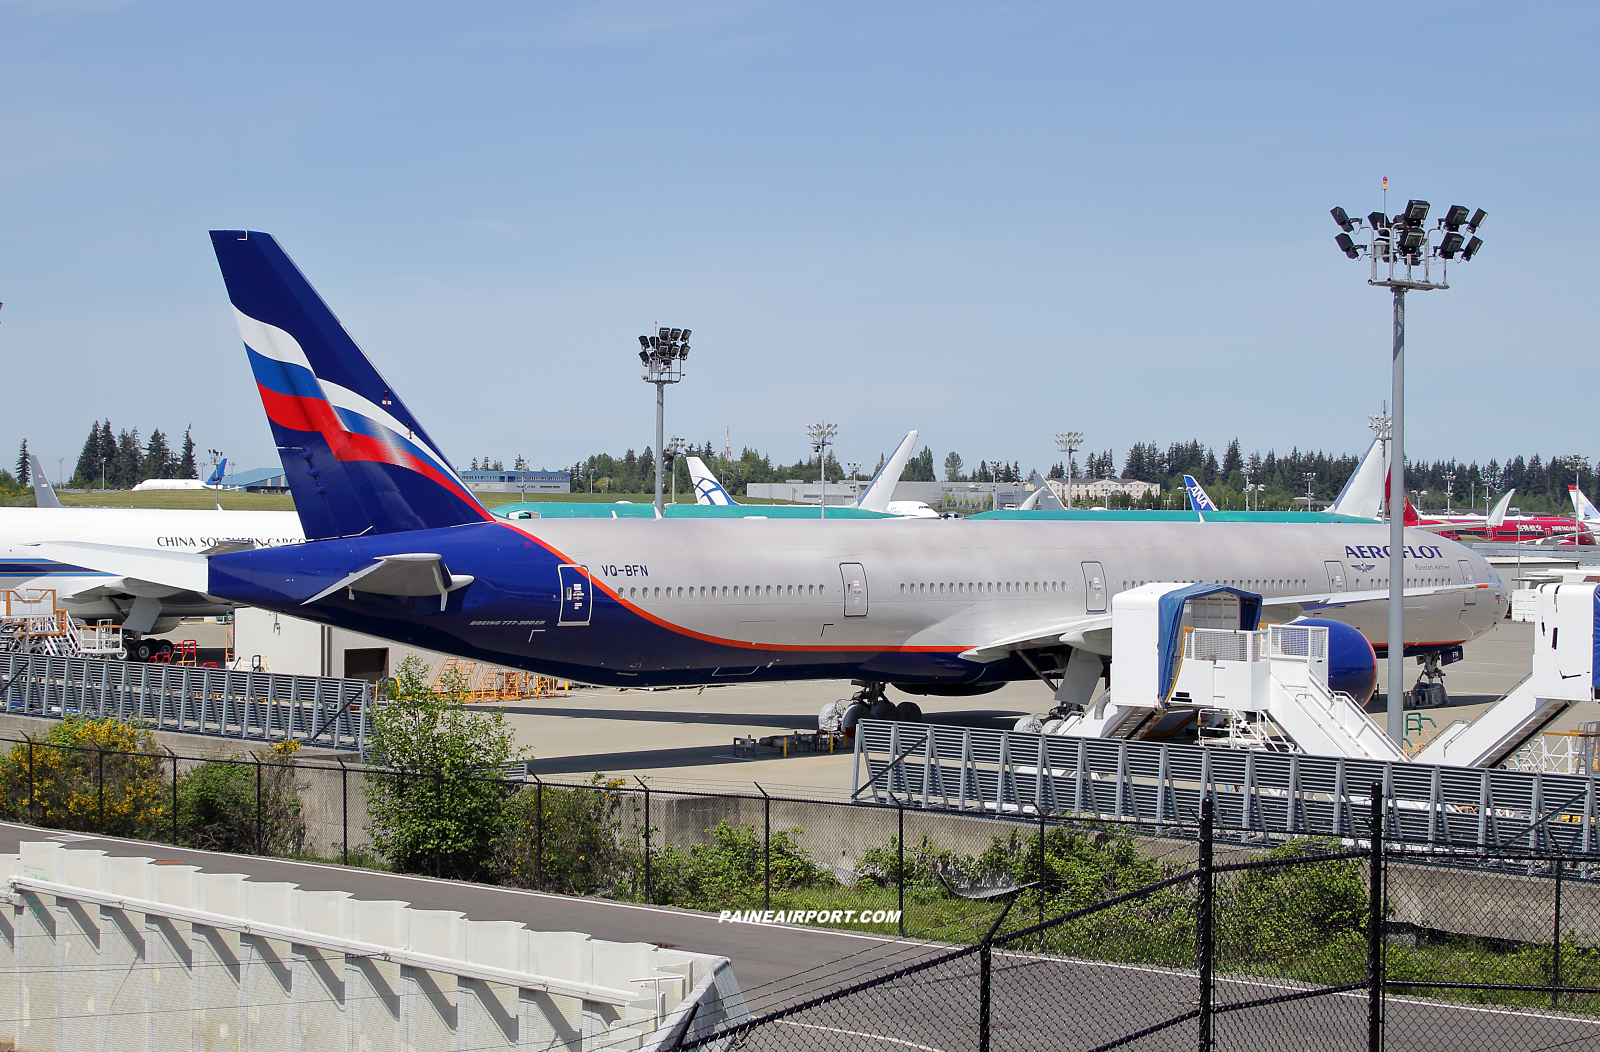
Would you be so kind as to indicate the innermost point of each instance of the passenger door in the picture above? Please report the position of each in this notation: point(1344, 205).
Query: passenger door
point(1094, 588)
point(1468, 580)
point(576, 596)
point(1335, 570)
point(855, 589)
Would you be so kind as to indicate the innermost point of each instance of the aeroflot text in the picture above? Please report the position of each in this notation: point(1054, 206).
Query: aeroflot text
point(1373, 551)
point(809, 917)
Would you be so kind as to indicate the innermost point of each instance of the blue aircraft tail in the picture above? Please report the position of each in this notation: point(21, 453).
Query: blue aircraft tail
point(356, 459)
point(1198, 498)
point(219, 474)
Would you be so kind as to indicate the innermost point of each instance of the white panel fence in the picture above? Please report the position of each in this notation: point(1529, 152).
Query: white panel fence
point(98, 951)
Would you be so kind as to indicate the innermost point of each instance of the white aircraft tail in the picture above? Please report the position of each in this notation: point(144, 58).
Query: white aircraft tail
point(1363, 493)
point(43, 495)
point(1042, 498)
point(1581, 507)
point(880, 490)
point(707, 490)
point(1497, 515)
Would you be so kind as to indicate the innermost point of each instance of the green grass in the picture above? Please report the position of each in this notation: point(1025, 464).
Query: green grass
point(179, 498)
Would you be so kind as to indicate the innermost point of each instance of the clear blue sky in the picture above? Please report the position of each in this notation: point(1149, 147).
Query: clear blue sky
point(989, 222)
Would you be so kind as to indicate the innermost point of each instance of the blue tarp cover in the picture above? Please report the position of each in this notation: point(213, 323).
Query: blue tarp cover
point(1169, 615)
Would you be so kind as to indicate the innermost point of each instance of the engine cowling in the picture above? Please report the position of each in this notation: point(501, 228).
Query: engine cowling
point(1352, 665)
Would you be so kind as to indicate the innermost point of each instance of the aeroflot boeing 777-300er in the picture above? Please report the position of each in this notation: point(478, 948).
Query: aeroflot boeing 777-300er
point(397, 547)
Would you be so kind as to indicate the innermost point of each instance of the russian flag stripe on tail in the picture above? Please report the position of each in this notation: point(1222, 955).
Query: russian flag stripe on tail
point(356, 459)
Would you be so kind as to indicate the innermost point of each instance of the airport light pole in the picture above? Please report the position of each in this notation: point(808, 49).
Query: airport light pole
point(1067, 442)
point(1449, 487)
point(1402, 253)
point(663, 356)
point(1310, 477)
point(674, 451)
point(822, 436)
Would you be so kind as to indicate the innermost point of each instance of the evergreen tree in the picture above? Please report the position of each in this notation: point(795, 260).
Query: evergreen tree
point(920, 467)
point(24, 469)
point(952, 467)
point(187, 468)
point(1231, 460)
point(129, 458)
point(159, 463)
point(89, 460)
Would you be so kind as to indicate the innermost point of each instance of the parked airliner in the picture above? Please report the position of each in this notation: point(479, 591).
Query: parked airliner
point(397, 547)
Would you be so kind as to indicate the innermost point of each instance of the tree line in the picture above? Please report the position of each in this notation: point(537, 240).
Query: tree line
point(123, 459)
point(1541, 481)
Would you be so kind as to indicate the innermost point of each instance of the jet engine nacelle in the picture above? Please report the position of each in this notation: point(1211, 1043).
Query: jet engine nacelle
point(1352, 665)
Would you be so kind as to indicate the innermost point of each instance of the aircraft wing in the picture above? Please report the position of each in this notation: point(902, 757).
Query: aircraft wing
point(1292, 606)
point(151, 578)
point(1092, 632)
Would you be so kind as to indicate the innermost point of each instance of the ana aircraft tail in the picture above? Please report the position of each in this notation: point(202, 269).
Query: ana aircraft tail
point(1198, 498)
point(356, 459)
point(1581, 506)
point(707, 490)
point(43, 495)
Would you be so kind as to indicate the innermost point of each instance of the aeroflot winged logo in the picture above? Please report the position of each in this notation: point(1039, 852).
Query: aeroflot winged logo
point(354, 428)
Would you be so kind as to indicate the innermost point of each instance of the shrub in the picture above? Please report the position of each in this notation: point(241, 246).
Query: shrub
point(88, 775)
point(218, 808)
point(439, 808)
point(584, 848)
point(730, 871)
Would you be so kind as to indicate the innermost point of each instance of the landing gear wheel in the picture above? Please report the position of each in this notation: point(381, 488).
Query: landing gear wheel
point(142, 649)
point(908, 712)
point(882, 709)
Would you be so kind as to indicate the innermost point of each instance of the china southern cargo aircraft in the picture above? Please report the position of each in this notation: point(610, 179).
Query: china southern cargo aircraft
point(90, 595)
point(397, 547)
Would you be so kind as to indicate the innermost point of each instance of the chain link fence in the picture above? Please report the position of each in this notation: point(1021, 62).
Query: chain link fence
point(1080, 934)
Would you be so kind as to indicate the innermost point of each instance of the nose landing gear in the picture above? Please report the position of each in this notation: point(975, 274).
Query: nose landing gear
point(1429, 692)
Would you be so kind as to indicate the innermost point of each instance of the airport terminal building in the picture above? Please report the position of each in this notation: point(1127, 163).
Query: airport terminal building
point(518, 481)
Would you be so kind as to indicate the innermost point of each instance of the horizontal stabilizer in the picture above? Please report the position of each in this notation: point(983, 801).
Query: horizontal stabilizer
point(413, 574)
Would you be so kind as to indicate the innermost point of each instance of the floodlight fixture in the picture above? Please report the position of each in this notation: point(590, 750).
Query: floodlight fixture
point(1450, 244)
point(685, 336)
point(644, 356)
point(1477, 220)
point(1347, 246)
point(1413, 238)
point(1416, 211)
point(1341, 217)
point(644, 342)
point(1377, 221)
point(1455, 217)
point(1472, 248)
point(683, 352)
point(676, 335)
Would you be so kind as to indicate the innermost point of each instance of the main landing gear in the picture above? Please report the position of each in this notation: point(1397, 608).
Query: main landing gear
point(868, 703)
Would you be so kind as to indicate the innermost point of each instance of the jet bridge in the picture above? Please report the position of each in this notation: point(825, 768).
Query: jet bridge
point(1566, 648)
point(1194, 654)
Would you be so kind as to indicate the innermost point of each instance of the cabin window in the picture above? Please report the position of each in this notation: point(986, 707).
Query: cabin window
point(633, 593)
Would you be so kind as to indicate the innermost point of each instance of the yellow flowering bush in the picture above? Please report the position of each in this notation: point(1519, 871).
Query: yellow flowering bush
point(86, 775)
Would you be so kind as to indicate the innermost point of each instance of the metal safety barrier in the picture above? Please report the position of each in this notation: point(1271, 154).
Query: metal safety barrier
point(1266, 793)
point(252, 706)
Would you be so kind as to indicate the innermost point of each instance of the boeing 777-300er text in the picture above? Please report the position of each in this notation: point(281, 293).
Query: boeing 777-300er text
point(397, 547)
